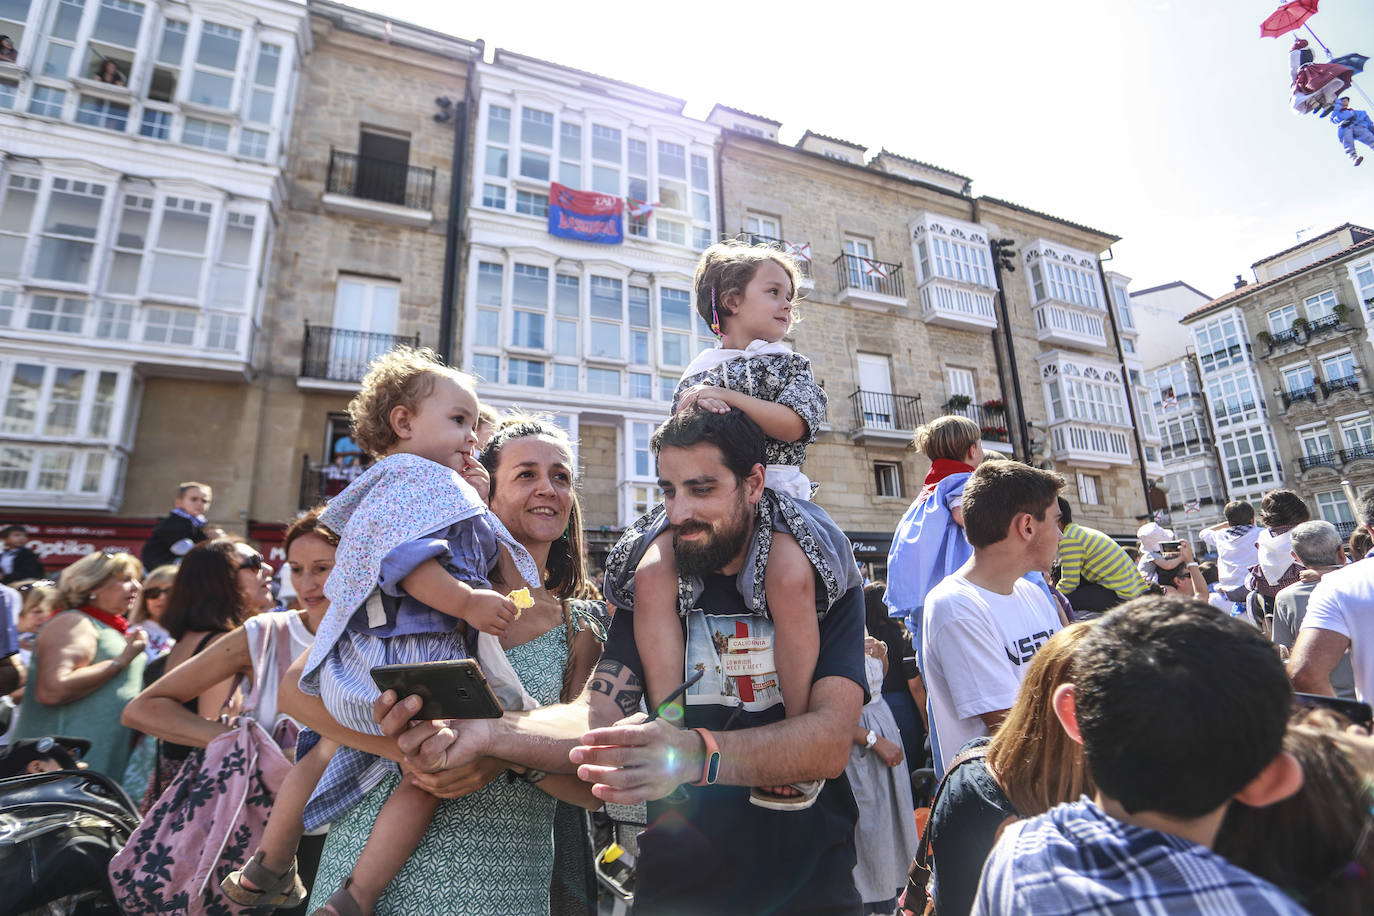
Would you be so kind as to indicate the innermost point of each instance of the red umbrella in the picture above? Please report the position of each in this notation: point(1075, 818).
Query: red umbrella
point(1287, 18)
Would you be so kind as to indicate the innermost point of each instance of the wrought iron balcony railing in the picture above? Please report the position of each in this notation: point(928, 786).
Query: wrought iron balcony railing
point(342, 355)
point(882, 277)
point(800, 252)
point(379, 179)
point(1319, 460)
point(1344, 383)
point(881, 410)
point(1293, 395)
point(1324, 324)
point(1358, 452)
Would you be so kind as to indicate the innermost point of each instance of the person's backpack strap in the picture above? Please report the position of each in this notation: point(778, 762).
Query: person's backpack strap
point(963, 757)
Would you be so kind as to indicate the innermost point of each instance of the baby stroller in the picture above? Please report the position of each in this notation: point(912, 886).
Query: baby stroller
point(58, 832)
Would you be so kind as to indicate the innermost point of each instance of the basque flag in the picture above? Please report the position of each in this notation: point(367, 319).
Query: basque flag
point(585, 215)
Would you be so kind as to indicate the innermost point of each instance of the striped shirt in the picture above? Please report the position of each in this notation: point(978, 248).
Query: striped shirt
point(1088, 555)
point(1075, 860)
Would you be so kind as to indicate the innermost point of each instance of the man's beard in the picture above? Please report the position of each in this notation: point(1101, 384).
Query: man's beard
point(722, 543)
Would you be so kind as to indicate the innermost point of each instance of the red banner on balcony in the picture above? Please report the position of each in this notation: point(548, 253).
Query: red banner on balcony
point(585, 215)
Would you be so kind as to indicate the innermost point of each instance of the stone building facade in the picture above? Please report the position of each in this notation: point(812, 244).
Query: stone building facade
point(1308, 315)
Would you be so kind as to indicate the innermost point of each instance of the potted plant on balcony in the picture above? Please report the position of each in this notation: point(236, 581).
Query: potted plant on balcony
point(996, 405)
point(1340, 310)
point(1302, 326)
point(1266, 339)
point(994, 433)
point(958, 401)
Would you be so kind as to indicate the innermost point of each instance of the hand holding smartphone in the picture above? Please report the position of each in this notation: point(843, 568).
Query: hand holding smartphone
point(449, 690)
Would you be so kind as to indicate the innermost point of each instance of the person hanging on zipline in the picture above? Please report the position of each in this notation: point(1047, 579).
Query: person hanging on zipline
point(1352, 124)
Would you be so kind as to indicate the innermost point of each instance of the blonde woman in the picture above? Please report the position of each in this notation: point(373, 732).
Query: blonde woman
point(87, 663)
point(1027, 767)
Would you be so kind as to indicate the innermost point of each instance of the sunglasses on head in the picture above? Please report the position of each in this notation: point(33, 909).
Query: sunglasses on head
point(254, 562)
point(37, 583)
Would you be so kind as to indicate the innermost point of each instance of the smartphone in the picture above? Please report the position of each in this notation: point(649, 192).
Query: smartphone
point(1170, 548)
point(450, 690)
point(1358, 713)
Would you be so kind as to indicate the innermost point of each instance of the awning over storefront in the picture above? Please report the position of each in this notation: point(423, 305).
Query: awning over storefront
point(60, 540)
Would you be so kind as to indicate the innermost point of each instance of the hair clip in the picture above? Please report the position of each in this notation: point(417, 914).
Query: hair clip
point(715, 316)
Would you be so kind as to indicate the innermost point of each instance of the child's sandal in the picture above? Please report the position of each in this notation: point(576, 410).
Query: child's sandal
point(340, 903)
point(808, 793)
point(277, 890)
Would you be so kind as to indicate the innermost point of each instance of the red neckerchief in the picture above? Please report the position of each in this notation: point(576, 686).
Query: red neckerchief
point(941, 468)
point(110, 620)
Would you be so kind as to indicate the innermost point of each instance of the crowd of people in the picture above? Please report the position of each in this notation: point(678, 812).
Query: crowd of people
point(1026, 717)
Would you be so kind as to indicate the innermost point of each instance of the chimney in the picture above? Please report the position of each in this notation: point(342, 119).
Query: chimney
point(1240, 282)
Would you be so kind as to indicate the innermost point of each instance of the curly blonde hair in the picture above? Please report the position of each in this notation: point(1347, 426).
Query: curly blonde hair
point(401, 378)
point(726, 268)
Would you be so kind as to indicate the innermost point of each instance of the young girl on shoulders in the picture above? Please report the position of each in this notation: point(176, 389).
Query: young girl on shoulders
point(409, 585)
point(746, 294)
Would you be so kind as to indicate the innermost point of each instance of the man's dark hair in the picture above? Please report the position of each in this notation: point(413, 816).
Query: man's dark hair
point(1282, 508)
point(1179, 705)
point(1065, 511)
point(998, 491)
point(1239, 512)
point(11, 529)
point(739, 438)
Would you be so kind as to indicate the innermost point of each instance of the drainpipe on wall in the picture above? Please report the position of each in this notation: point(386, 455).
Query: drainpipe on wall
point(1126, 379)
point(453, 238)
point(1004, 318)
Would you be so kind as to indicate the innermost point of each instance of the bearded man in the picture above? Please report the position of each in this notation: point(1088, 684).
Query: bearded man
point(707, 850)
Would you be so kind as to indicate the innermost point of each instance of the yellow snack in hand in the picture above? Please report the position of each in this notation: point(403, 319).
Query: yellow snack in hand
point(521, 599)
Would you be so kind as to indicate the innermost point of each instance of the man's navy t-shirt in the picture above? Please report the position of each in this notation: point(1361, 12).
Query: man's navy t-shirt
point(717, 853)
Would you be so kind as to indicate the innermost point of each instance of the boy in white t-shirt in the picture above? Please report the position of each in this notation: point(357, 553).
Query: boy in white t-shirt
point(983, 624)
point(1234, 541)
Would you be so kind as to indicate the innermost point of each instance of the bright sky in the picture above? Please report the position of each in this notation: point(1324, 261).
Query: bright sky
point(1165, 122)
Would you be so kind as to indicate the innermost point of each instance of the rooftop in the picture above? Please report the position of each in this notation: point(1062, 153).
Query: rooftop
point(925, 165)
point(1356, 231)
point(811, 133)
point(1241, 292)
point(740, 111)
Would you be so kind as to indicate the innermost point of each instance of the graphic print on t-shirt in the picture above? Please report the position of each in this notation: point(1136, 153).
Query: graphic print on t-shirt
point(736, 654)
point(1026, 647)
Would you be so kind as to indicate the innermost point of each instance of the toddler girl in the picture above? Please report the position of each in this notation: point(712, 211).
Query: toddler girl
point(745, 293)
point(409, 585)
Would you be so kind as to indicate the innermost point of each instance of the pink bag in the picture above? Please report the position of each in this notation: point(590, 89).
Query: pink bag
point(211, 817)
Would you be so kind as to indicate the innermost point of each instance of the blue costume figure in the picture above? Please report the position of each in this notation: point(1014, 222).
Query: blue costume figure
point(1352, 124)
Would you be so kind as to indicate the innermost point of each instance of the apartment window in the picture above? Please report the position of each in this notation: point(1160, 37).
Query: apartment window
point(102, 113)
point(565, 377)
point(1232, 398)
point(671, 231)
point(162, 87)
point(675, 319)
point(1089, 485)
point(57, 61)
point(570, 155)
point(67, 244)
point(1338, 366)
point(235, 257)
point(1296, 378)
point(567, 310)
point(641, 385)
point(1247, 459)
point(608, 316)
point(888, 478)
point(637, 166)
point(498, 141)
point(253, 143)
point(494, 196)
point(530, 297)
point(667, 387)
point(113, 38)
point(57, 313)
point(114, 321)
point(156, 124)
point(1320, 305)
point(1333, 507)
point(1121, 298)
point(536, 143)
point(103, 405)
point(1362, 275)
point(526, 372)
point(838, 157)
point(758, 224)
point(8, 297)
point(489, 299)
point(21, 400)
point(487, 368)
point(179, 255)
point(953, 259)
point(701, 174)
point(639, 325)
point(532, 204)
point(603, 381)
point(1315, 441)
point(1358, 432)
point(47, 102)
point(606, 158)
point(8, 90)
point(1065, 281)
point(641, 455)
point(221, 331)
point(1281, 319)
point(1220, 344)
point(16, 217)
point(212, 82)
point(211, 135)
point(262, 95)
point(169, 326)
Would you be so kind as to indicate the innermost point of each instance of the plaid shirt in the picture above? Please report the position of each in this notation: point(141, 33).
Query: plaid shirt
point(1075, 859)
